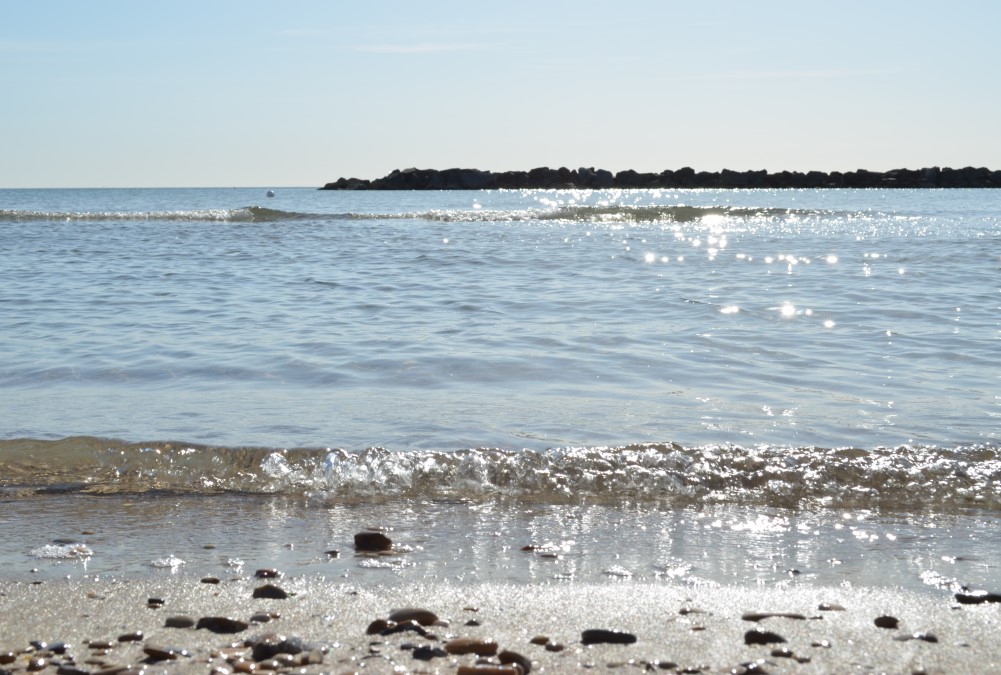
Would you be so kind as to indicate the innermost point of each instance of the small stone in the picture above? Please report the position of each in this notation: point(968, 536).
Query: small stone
point(487, 670)
point(154, 603)
point(824, 644)
point(830, 607)
point(977, 597)
point(762, 637)
point(164, 653)
point(426, 653)
point(36, 664)
point(886, 621)
point(377, 626)
point(759, 616)
point(70, 669)
point(466, 645)
point(210, 580)
point(924, 637)
point(783, 653)
point(243, 666)
point(595, 636)
point(507, 657)
point(135, 636)
point(267, 574)
point(179, 621)
point(260, 617)
point(405, 626)
point(555, 647)
point(271, 592)
point(372, 541)
point(222, 624)
point(540, 640)
point(332, 554)
point(7, 657)
point(422, 616)
point(99, 644)
point(271, 645)
point(472, 623)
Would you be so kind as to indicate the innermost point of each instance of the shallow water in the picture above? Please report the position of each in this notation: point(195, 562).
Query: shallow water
point(728, 384)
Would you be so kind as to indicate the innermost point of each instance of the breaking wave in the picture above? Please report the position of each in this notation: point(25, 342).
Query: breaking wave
point(915, 478)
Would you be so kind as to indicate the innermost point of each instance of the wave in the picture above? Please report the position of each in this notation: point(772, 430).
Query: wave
point(915, 478)
point(574, 213)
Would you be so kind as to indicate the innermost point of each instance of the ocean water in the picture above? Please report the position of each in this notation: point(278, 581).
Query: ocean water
point(682, 386)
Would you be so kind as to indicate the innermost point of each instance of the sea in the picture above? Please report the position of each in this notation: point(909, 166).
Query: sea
point(689, 387)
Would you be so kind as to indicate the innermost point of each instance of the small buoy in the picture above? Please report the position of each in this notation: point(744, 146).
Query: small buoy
point(271, 193)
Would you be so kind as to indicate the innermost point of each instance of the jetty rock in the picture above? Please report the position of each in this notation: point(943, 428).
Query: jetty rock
point(590, 178)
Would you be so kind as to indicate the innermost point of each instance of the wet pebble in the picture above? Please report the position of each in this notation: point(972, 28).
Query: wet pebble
point(555, 647)
point(376, 627)
point(70, 669)
point(595, 636)
point(262, 617)
point(155, 653)
point(393, 628)
point(210, 580)
point(508, 657)
point(179, 621)
point(760, 616)
point(135, 636)
point(424, 617)
point(270, 645)
point(271, 592)
point(977, 597)
point(762, 637)
point(466, 645)
point(7, 658)
point(372, 541)
point(268, 573)
point(37, 663)
point(486, 669)
point(427, 652)
point(154, 603)
point(472, 623)
point(886, 621)
point(830, 607)
point(332, 554)
point(924, 637)
point(222, 624)
point(540, 640)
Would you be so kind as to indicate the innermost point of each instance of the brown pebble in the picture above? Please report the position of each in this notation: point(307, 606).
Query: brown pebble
point(372, 541)
point(210, 580)
point(70, 669)
point(466, 645)
point(762, 637)
point(759, 616)
point(783, 653)
point(555, 647)
point(36, 664)
point(260, 617)
point(135, 636)
point(271, 592)
point(507, 656)
point(164, 653)
point(539, 640)
point(267, 574)
point(222, 624)
point(243, 666)
point(422, 616)
point(595, 636)
point(179, 621)
point(825, 644)
point(472, 623)
point(486, 669)
point(377, 626)
point(155, 603)
point(886, 621)
point(332, 554)
point(7, 657)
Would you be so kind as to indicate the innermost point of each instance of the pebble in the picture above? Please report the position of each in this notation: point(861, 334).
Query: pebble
point(155, 603)
point(179, 621)
point(759, 616)
point(886, 621)
point(164, 653)
point(332, 554)
point(36, 664)
point(487, 670)
point(468, 645)
point(268, 573)
point(540, 640)
point(830, 607)
point(271, 592)
point(762, 637)
point(68, 669)
point(595, 636)
point(977, 597)
point(507, 657)
point(210, 580)
point(555, 647)
point(270, 645)
point(426, 653)
point(372, 541)
point(135, 636)
point(924, 637)
point(221, 624)
point(424, 617)
point(261, 617)
point(405, 626)
point(377, 626)
point(7, 657)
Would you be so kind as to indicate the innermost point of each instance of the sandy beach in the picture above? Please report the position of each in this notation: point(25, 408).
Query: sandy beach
point(326, 626)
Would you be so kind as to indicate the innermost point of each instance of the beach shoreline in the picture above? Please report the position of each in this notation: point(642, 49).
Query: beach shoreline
point(109, 625)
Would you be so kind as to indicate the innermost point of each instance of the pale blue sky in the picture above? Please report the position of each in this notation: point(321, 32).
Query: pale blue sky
point(253, 93)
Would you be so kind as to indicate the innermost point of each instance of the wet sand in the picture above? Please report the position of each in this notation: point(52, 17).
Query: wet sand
point(328, 626)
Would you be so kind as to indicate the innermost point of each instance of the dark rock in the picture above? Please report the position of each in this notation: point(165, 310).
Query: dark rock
point(179, 621)
point(270, 645)
point(422, 616)
point(426, 653)
point(332, 554)
point(155, 603)
point(135, 636)
point(466, 645)
point(977, 597)
point(267, 574)
point(70, 669)
point(7, 658)
point(507, 656)
point(37, 663)
point(164, 653)
point(595, 636)
point(210, 580)
point(271, 592)
point(758, 616)
point(886, 621)
point(762, 637)
point(372, 541)
point(555, 647)
point(377, 626)
point(404, 626)
point(222, 624)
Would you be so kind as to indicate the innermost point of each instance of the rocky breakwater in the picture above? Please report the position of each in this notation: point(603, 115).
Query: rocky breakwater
point(591, 178)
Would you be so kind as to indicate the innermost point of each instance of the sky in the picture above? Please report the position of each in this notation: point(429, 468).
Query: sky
point(252, 93)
